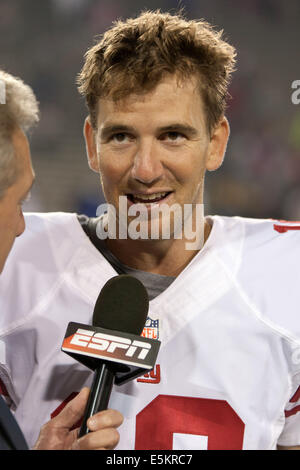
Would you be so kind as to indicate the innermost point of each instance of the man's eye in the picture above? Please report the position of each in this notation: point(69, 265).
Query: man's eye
point(120, 138)
point(172, 136)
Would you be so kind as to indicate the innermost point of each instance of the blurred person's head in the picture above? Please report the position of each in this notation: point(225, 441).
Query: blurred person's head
point(18, 113)
point(134, 56)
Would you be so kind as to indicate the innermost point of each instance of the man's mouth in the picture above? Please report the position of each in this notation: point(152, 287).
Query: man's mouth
point(148, 198)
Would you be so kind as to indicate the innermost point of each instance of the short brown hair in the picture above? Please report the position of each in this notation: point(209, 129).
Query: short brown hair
point(133, 57)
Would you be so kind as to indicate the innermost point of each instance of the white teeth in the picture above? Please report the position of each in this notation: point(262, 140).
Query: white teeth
point(149, 197)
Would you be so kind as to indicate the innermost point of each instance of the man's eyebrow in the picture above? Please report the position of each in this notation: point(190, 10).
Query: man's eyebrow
point(181, 128)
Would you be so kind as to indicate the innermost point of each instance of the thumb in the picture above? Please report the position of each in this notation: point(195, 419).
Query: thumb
point(73, 411)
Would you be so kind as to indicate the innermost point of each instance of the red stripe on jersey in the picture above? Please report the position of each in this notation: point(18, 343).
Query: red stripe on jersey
point(291, 412)
point(296, 396)
point(3, 389)
point(285, 228)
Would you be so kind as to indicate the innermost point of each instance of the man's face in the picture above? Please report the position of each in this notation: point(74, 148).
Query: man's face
point(155, 146)
point(12, 222)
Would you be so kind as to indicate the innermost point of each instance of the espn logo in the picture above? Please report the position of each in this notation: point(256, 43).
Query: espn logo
point(111, 344)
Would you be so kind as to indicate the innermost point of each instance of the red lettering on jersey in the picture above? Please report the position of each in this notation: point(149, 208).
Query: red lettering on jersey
point(152, 377)
point(169, 414)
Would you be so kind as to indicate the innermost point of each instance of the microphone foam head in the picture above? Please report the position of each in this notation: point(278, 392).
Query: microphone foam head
point(122, 305)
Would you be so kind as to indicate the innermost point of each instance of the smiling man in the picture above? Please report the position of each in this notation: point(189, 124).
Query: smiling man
point(228, 371)
point(154, 150)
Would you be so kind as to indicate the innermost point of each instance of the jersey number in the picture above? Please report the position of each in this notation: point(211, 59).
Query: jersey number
point(171, 421)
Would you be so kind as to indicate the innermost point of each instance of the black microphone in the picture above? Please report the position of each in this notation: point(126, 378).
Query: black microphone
point(112, 346)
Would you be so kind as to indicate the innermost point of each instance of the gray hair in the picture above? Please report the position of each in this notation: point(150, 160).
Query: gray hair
point(18, 108)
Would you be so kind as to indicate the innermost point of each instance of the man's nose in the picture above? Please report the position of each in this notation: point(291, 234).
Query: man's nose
point(147, 166)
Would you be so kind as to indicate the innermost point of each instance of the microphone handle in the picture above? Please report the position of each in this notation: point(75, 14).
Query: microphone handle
point(99, 395)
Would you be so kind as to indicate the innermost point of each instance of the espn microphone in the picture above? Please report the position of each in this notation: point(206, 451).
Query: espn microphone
point(112, 346)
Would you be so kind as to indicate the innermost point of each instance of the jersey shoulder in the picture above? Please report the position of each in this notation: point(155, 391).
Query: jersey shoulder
point(271, 247)
point(45, 242)
point(36, 262)
point(267, 270)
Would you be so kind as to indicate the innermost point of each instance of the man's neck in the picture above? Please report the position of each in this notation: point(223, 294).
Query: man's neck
point(167, 257)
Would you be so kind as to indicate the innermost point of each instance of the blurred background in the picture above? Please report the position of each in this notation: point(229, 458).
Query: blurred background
point(43, 42)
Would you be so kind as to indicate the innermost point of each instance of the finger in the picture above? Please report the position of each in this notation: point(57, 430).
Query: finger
point(107, 438)
point(105, 419)
point(73, 411)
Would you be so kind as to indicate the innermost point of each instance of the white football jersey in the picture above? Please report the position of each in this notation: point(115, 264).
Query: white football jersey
point(228, 370)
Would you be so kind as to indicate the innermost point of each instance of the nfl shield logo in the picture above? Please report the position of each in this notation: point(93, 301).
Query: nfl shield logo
point(151, 329)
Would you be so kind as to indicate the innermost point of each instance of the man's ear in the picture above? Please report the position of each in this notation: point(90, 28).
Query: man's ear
point(217, 145)
point(90, 144)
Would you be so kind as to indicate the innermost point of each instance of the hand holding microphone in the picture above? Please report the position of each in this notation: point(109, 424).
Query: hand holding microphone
point(112, 346)
point(59, 433)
